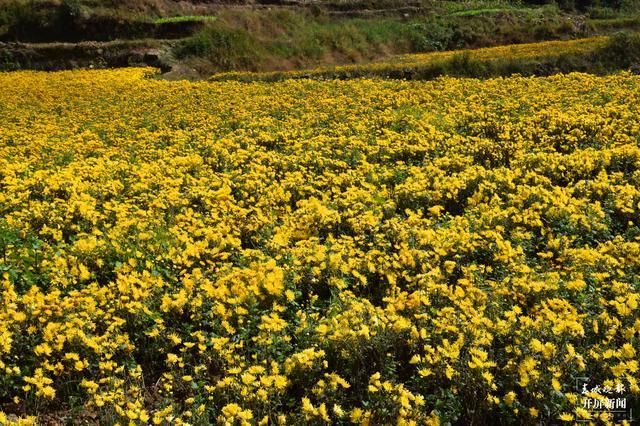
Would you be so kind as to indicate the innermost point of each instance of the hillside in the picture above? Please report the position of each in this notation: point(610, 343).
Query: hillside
point(197, 39)
point(596, 55)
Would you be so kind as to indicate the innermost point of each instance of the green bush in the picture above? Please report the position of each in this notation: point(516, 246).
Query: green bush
point(227, 48)
point(428, 36)
point(623, 50)
point(17, 18)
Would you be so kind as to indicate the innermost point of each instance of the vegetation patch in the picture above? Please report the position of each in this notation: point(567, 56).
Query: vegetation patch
point(185, 18)
point(285, 39)
point(474, 12)
point(597, 55)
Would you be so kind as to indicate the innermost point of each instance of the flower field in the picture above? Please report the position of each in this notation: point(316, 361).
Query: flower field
point(317, 252)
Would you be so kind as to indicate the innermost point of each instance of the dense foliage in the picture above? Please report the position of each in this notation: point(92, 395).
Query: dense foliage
point(309, 252)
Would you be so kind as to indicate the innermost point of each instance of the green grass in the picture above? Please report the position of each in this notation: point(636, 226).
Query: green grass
point(474, 12)
point(227, 48)
point(185, 18)
point(614, 23)
point(459, 6)
point(284, 39)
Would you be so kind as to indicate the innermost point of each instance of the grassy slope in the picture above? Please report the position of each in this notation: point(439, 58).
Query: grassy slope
point(286, 39)
point(600, 55)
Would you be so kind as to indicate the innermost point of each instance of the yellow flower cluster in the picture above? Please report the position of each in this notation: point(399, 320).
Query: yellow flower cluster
point(517, 51)
point(306, 252)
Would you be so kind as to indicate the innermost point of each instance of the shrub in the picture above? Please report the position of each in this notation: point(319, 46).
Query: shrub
point(225, 47)
point(623, 50)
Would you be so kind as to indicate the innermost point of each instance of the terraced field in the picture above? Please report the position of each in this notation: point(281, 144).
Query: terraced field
point(499, 59)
